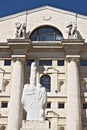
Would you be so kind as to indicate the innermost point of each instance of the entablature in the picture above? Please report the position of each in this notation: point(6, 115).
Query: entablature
point(24, 46)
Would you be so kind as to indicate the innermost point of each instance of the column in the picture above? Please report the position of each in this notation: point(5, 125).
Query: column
point(54, 123)
point(1, 80)
point(14, 118)
point(54, 87)
point(73, 95)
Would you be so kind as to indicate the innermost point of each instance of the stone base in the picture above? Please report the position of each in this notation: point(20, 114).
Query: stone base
point(35, 125)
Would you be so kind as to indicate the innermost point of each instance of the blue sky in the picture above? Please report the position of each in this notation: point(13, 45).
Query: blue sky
point(8, 7)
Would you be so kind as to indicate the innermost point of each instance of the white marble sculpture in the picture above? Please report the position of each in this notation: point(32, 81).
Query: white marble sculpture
point(73, 33)
point(34, 98)
point(20, 30)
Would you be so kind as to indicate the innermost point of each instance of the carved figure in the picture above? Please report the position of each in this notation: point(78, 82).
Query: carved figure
point(34, 98)
point(73, 33)
point(20, 30)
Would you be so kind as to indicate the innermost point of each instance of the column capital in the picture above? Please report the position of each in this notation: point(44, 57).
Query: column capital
point(20, 58)
point(73, 46)
point(75, 58)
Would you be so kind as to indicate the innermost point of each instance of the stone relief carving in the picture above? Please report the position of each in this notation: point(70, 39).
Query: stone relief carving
point(73, 33)
point(47, 18)
point(34, 98)
point(20, 30)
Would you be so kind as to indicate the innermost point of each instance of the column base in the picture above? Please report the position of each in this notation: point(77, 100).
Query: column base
point(35, 125)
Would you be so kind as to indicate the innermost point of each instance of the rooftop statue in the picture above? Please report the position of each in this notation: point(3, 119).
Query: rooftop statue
point(34, 98)
point(20, 30)
point(73, 33)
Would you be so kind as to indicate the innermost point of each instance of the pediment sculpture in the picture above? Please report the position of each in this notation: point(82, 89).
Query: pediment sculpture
point(73, 32)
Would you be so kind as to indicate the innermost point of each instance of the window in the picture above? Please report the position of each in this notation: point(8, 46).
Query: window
point(46, 33)
point(45, 81)
point(4, 104)
point(3, 127)
point(45, 62)
point(84, 105)
point(7, 62)
point(61, 105)
point(48, 104)
point(61, 128)
point(83, 62)
point(60, 62)
point(29, 62)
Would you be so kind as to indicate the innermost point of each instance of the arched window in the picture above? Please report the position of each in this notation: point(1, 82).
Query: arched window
point(46, 33)
point(45, 81)
point(61, 128)
point(2, 127)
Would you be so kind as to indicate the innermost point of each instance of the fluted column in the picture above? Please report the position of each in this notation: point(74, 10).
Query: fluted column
point(14, 118)
point(73, 95)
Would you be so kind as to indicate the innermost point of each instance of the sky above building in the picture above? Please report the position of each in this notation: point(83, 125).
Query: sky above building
point(8, 7)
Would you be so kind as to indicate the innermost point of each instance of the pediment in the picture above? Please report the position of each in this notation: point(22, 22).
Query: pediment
point(50, 8)
point(52, 114)
point(47, 70)
point(42, 16)
point(54, 9)
point(39, 9)
point(51, 70)
point(2, 70)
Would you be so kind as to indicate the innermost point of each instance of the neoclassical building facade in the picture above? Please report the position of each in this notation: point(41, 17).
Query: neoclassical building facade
point(57, 41)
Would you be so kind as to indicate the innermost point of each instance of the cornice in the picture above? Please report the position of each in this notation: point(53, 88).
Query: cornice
point(41, 9)
point(66, 45)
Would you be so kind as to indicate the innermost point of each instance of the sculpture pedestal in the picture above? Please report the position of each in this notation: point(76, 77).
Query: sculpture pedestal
point(35, 125)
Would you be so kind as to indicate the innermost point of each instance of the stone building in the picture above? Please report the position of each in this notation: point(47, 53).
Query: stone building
point(57, 41)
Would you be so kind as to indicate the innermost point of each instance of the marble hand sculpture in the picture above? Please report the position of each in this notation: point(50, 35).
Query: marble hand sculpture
point(34, 98)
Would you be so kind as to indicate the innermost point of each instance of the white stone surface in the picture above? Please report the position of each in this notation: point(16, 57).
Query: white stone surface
point(46, 16)
point(38, 124)
point(49, 50)
point(74, 120)
point(35, 125)
point(34, 98)
point(1, 81)
point(14, 118)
